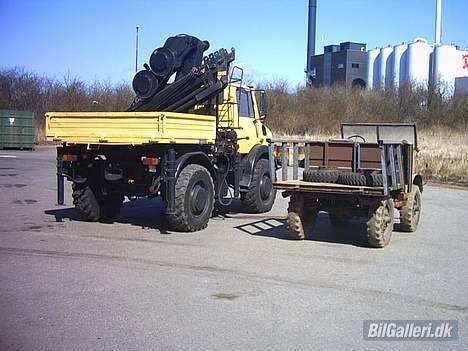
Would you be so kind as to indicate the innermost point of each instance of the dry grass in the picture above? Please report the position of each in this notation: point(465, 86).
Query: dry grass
point(444, 155)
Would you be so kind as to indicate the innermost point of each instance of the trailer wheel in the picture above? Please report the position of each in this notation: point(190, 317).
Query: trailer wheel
point(85, 201)
point(261, 195)
point(194, 200)
point(380, 223)
point(411, 212)
point(301, 218)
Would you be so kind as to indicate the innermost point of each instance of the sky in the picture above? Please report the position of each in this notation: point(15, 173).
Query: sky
point(95, 40)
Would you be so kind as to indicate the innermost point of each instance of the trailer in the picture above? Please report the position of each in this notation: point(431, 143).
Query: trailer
point(368, 172)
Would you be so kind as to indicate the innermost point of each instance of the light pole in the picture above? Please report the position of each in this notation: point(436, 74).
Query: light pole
point(136, 49)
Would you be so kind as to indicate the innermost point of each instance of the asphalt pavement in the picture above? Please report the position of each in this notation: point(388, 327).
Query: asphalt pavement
point(240, 284)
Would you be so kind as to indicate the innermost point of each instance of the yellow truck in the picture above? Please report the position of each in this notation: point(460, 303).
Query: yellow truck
point(193, 135)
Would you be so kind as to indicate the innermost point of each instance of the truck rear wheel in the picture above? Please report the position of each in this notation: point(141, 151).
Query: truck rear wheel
point(380, 223)
point(85, 201)
point(194, 197)
point(411, 212)
point(110, 205)
point(261, 195)
point(93, 206)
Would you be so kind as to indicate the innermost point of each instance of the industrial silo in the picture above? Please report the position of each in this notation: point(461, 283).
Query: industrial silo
point(372, 56)
point(445, 60)
point(382, 62)
point(399, 64)
point(419, 53)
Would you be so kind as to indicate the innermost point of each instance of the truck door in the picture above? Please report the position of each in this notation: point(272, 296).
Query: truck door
point(248, 121)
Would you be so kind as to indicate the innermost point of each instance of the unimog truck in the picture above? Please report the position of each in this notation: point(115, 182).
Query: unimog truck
point(193, 135)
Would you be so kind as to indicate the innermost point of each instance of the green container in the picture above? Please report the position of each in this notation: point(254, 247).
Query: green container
point(16, 129)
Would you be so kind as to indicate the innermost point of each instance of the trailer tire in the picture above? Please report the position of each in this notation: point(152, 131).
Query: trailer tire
point(320, 176)
point(85, 201)
point(375, 180)
point(194, 200)
point(411, 212)
point(380, 223)
point(261, 195)
point(300, 222)
point(352, 179)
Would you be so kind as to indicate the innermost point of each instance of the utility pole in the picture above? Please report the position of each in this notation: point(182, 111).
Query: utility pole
point(136, 49)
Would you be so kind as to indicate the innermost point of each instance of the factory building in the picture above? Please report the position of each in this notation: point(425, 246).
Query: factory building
point(344, 64)
point(418, 63)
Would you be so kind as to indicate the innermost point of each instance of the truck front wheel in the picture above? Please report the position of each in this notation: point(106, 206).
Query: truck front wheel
point(194, 200)
point(261, 195)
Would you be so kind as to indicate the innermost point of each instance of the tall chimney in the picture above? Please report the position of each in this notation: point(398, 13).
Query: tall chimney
point(311, 34)
point(438, 22)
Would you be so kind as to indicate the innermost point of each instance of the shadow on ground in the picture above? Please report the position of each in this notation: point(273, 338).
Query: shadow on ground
point(144, 213)
point(353, 233)
point(147, 213)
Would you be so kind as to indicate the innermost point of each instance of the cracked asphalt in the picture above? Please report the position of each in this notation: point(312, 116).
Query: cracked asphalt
point(240, 284)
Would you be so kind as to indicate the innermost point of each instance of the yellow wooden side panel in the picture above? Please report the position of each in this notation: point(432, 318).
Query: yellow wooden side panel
point(130, 127)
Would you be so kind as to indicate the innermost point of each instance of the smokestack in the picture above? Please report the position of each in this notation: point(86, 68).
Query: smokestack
point(311, 33)
point(438, 22)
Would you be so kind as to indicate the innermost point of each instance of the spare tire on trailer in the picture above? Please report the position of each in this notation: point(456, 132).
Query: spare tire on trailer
point(352, 179)
point(320, 175)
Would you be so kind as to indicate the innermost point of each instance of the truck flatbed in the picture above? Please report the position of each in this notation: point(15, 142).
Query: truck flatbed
point(130, 128)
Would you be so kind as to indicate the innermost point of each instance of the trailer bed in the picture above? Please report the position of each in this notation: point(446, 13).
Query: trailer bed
point(327, 188)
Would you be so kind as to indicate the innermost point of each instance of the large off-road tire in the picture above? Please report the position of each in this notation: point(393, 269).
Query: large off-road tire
point(84, 199)
point(320, 176)
point(261, 195)
point(411, 212)
point(93, 205)
point(375, 180)
point(110, 205)
point(380, 223)
point(301, 217)
point(339, 218)
point(194, 200)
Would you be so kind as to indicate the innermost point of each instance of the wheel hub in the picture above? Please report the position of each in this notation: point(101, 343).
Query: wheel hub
point(265, 187)
point(199, 197)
